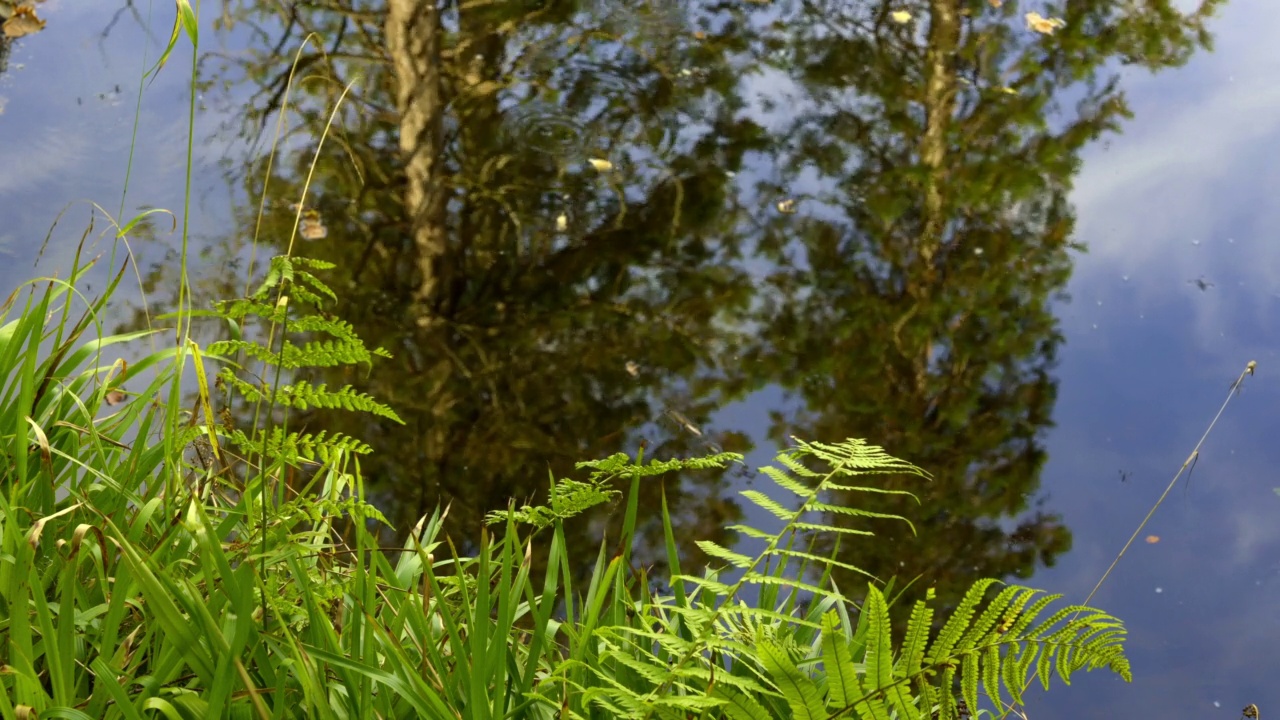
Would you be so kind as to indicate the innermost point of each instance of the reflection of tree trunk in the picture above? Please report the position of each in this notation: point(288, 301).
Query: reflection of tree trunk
point(413, 42)
point(939, 106)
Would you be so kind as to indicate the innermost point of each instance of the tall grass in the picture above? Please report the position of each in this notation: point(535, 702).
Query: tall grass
point(153, 564)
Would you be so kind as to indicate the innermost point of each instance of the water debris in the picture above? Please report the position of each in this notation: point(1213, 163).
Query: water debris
point(1043, 25)
point(311, 226)
point(562, 222)
point(787, 207)
point(1238, 382)
point(22, 22)
point(902, 17)
point(114, 397)
point(684, 422)
point(601, 165)
point(632, 368)
point(1201, 283)
point(1153, 539)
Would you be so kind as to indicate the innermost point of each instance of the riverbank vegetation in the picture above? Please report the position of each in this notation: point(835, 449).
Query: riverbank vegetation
point(157, 561)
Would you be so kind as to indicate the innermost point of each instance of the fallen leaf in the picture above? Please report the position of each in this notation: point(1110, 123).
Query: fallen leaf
point(901, 17)
point(562, 223)
point(23, 22)
point(787, 207)
point(1043, 25)
point(601, 165)
point(115, 397)
point(1153, 539)
point(311, 229)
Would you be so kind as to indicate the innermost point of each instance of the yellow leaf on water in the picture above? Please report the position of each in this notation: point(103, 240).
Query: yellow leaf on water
point(900, 16)
point(22, 22)
point(1043, 25)
point(1153, 539)
point(601, 165)
point(562, 222)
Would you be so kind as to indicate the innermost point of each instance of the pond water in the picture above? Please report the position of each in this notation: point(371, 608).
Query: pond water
point(719, 226)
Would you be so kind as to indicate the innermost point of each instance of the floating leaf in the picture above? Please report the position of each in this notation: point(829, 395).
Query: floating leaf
point(1043, 25)
point(312, 230)
point(902, 17)
point(787, 207)
point(562, 223)
point(1153, 539)
point(311, 226)
point(23, 22)
point(601, 165)
point(115, 397)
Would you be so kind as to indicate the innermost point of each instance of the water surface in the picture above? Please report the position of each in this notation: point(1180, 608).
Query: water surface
point(693, 227)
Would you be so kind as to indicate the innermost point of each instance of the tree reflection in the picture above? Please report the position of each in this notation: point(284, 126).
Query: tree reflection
point(889, 253)
point(914, 297)
point(541, 310)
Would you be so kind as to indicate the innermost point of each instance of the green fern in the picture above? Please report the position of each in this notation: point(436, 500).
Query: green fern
point(568, 498)
point(805, 650)
point(307, 446)
point(303, 394)
point(996, 651)
point(281, 305)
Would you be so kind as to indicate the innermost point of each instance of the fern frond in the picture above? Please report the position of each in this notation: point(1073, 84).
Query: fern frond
point(801, 692)
point(717, 551)
point(241, 308)
point(303, 394)
point(837, 658)
point(982, 652)
point(329, 353)
point(339, 329)
point(310, 262)
point(709, 650)
point(741, 706)
point(621, 464)
point(879, 659)
point(302, 277)
point(245, 389)
point(297, 446)
point(568, 498)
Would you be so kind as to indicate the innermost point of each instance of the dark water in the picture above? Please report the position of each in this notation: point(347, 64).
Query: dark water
point(817, 222)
